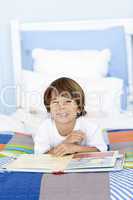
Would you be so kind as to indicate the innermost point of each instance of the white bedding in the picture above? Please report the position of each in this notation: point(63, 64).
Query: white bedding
point(102, 95)
point(8, 123)
point(22, 121)
point(118, 121)
point(68, 61)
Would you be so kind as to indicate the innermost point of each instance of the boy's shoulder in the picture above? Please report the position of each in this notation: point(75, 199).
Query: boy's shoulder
point(46, 123)
point(85, 119)
point(87, 122)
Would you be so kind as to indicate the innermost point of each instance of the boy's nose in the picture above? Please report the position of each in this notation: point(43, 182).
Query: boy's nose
point(61, 104)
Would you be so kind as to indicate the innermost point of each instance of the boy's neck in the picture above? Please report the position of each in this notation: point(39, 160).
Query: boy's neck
point(65, 129)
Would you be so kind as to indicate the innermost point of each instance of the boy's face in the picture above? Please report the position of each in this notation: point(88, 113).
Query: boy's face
point(63, 109)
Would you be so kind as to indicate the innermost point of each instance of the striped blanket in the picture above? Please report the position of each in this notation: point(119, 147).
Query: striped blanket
point(39, 186)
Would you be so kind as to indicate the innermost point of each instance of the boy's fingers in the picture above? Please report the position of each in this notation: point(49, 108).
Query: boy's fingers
point(60, 152)
point(82, 135)
point(78, 133)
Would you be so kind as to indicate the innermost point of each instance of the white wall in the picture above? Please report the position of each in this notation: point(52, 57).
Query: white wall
point(36, 10)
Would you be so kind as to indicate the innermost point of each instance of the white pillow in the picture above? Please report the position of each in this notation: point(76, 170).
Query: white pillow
point(32, 88)
point(11, 124)
point(102, 95)
point(31, 94)
point(83, 63)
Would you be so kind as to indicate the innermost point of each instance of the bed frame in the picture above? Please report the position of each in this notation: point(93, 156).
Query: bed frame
point(17, 27)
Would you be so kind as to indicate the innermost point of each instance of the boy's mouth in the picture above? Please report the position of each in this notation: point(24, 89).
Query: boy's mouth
point(64, 114)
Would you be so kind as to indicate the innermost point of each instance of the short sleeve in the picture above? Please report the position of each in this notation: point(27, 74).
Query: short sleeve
point(95, 137)
point(42, 140)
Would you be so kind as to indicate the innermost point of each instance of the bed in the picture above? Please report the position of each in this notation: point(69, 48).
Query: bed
point(35, 186)
point(107, 41)
point(110, 39)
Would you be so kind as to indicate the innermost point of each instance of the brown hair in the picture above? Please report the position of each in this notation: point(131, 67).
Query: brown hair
point(66, 87)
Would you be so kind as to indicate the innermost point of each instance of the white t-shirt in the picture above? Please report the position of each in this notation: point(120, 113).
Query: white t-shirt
point(48, 136)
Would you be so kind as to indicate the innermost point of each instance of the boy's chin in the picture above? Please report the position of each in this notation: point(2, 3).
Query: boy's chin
point(64, 120)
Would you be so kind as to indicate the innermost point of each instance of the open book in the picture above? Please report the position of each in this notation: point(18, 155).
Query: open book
point(81, 162)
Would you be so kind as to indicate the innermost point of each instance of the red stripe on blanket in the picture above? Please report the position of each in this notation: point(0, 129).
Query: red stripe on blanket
point(18, 133)
point(117, 137)
point(2, 146)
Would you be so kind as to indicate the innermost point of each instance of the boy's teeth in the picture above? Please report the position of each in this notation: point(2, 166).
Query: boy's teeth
point(63, 114)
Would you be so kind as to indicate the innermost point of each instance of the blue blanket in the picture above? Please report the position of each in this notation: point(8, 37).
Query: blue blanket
point(39, 186)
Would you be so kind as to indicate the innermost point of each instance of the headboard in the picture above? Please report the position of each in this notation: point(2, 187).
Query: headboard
point(90, 34)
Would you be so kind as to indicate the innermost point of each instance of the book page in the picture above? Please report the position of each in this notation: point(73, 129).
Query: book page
point(43, 161)
point(93, 160)
point(48, 163)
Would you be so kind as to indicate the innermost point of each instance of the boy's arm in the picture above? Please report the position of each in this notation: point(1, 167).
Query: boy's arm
point(63, 149)
point(86, 149)
point(75, 137)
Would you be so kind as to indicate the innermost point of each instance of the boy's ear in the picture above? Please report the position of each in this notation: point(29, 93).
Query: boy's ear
point(78, 112)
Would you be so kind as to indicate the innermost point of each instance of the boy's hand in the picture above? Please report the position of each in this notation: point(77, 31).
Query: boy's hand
point(63, 149)
point(75, 137)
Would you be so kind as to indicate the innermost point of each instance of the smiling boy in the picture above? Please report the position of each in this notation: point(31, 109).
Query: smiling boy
point(67, 131)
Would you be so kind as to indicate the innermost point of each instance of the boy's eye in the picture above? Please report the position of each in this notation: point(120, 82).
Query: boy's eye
point(68, 101)
point(55, 102)
point(64, 102)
